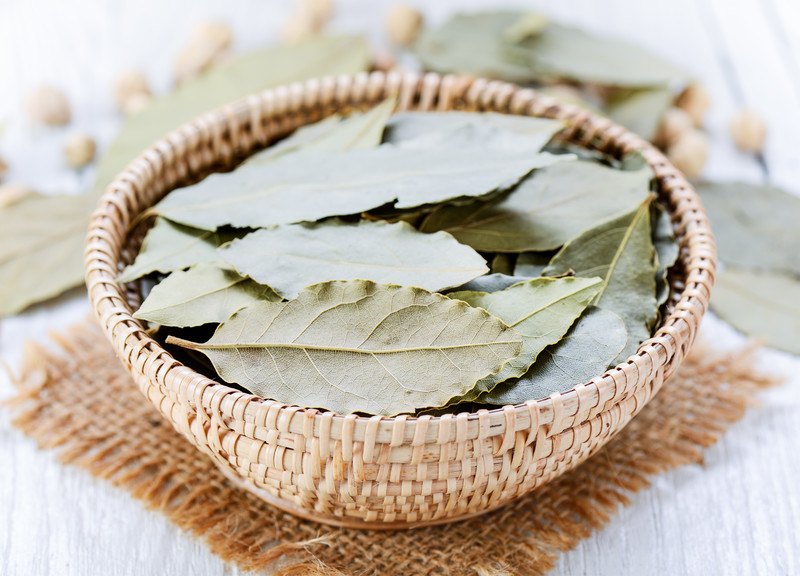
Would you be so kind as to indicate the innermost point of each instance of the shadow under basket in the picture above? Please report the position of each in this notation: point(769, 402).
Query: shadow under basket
point(383, 472)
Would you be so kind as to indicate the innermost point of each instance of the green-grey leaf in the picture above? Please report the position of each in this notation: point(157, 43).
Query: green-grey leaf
point(640, 111)
point(763, 305)
point(241, 76)
point(755, 226)
point(42, 240)
point(169, 246)
point(547, 209)
point(287, 190)
point(473, 44)
point(540, 310)
point(666, 250)
point(532, 264)
point(361, 130)
point(486, 129)
point(491, 283)
point(503, 263)
point(290, 257)
point(200, 295)
point(563, 52)
point(587, 350)
point(621, 252)
point(360, 347)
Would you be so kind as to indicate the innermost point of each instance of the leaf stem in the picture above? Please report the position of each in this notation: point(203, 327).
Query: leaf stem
point(183, 343)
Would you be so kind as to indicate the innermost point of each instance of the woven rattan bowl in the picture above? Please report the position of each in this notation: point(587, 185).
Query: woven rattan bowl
point(384, 472)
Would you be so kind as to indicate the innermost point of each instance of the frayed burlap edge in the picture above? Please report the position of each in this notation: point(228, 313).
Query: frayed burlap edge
point(79, 401)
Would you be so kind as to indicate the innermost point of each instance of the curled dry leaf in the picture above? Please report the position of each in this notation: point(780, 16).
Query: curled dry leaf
point(301, 255)
point(284, 191)
point(540, 310)
point(401, 349)
point(202, 294)
point(547, 209)
point(621, 252)
point(586, 351)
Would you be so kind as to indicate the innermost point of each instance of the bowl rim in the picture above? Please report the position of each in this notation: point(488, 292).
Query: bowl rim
point(150, 363)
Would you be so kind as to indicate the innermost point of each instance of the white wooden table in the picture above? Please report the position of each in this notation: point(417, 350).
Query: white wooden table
point(739, 513)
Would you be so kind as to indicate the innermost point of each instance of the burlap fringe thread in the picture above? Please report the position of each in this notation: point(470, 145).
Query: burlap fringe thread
point(80, 402)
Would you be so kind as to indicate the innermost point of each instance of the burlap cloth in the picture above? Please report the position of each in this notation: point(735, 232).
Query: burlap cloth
point(79, 401)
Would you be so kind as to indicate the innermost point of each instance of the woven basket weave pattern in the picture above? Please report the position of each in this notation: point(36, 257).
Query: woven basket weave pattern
point(385, 472)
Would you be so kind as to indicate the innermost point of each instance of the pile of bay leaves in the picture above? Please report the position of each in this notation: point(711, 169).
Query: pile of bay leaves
point(388, 264)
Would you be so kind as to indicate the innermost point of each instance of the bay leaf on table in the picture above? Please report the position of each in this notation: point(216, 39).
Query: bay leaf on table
point(561, 52)
point(540, 310)
point(290, 257)
point(42, 239)
point(229, 81)
point(473, 44)
point(547, 209)
point(487, 129)
point(360, 347)
point(334, 134)
point(587, 350)
point(667, 250)
point(168, 246)
point(621, 252)
point(287, 191)
point(200, 295)
point(755, 227)
point(763, 305)
point(641, 110)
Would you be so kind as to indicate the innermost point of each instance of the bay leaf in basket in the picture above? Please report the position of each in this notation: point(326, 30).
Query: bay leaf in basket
point(532, 264)
point(540, 310)
point(755, 227)
point(290, 257)
point(286, 191)
point(168, 246)
point(334, 134)
point(491, 283)
point(227, 82)
point(621, 252)
point(487, 129)
point(764, 305)
point(200, 295)
point(667, 249)
point(593, 344)
point(547, 209)
point(360, 347)
point(42, 239)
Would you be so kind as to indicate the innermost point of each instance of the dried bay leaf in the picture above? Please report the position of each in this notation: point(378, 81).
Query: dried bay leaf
point(492, 282)
point(763, 305)
point(666, 247)
point(332, 134)
point(237, 78)
point(202, 294)
point(586, 351)
point(640, 111)
point(486, 129)
point(532, 264)
point(547, 209)
point(286, 191)
point(755, 227)
point(42, 239)
point(360, 347)
point(169, 246)
point(621, 252)
point(562, 52)
point(540, 310)
point(473, 44)
point(503, 263)
point(290, 257)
